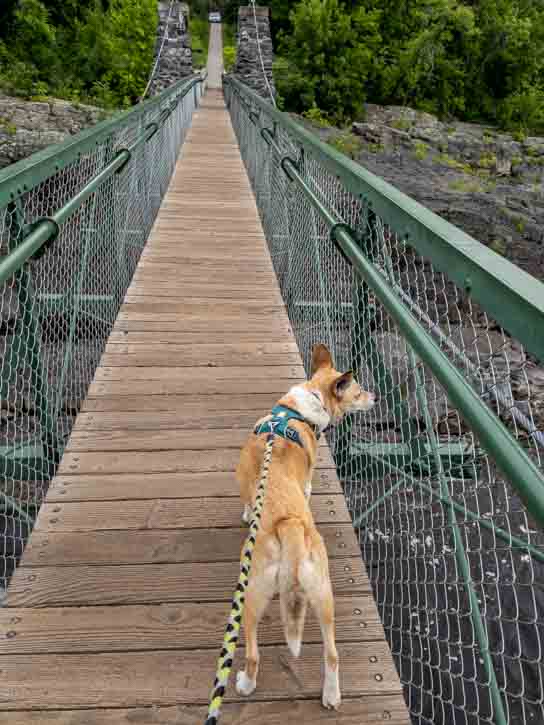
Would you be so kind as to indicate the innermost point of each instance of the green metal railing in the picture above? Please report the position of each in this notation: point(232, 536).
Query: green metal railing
point(444, 477)
point(73, 222)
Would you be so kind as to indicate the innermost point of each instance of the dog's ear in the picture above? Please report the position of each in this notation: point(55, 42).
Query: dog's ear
point(341, 384)
point(321, 358)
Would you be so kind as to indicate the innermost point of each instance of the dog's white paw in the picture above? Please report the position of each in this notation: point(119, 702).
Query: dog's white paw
point(244, 686)
point(331, 693)
point(295, 645)
point(308, 490)
point(246, 514)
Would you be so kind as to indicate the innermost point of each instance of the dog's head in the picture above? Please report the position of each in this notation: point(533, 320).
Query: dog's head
point(340, 392)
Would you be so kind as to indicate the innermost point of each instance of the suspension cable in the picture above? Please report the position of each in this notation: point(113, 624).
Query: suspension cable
point(164, 36)
point(261, 55)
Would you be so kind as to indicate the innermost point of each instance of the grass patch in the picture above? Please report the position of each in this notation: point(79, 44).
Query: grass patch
point(347, 144)
point(8, 128)
point(316, 116)
point(465, 186)
point(403, 124)
point(519, 225)
point(421, 150)
point(454, 163)
point(488, 161)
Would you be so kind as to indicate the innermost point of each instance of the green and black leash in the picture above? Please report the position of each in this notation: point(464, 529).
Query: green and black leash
point(232, 632)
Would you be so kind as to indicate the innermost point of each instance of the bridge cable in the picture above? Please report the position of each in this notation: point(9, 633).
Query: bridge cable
point(261, 55)
point(156, 65)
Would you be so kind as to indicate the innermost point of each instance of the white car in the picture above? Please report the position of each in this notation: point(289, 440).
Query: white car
point(214, 17)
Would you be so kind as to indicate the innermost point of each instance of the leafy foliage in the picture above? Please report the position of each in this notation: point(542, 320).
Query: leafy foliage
point(92, 50)
point(477, 60)
point(330, 54)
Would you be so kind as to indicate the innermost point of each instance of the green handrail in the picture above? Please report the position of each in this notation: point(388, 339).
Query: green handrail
point(520, 470)
point(286, 160)
point(507, 292)
point(19, 178)
point(38, 169)
point(73, 221)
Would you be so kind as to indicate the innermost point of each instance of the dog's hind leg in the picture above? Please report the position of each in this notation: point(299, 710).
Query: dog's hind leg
point(260, 591)
point(315, 579)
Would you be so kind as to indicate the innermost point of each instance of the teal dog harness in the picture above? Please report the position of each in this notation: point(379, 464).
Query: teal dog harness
point(279, 425)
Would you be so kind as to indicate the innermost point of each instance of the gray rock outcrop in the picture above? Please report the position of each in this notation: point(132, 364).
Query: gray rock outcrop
point(29, 126)
point(252, 67)
point(487, 182)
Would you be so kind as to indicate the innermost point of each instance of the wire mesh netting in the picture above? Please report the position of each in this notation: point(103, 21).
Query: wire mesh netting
point(423, 494)
point(57, 310)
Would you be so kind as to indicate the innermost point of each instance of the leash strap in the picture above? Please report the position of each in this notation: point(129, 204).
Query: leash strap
point(232, 631)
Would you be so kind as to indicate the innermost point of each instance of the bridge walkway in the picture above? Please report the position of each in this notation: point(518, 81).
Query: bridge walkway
point(117, 610)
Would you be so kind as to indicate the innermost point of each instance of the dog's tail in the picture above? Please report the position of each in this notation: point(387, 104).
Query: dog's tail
point(293, 600)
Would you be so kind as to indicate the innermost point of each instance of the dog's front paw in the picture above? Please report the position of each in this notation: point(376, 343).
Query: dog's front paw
point(246, 514)
point(244, 686)
point(331, 695)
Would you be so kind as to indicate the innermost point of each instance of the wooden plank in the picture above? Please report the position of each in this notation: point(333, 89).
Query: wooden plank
point(211, 386)
point(128, 486)
point(163, 440)
point(165, 461)
point(165, 626)
point(355, 711)
point(196, 291)
point(248, 329)
point(156, 546)
point(206, 308)
point(201, 376)
point(190, 356)
point(274, 318)
point(128, 592)
point(170, 677)
point(187, 513)
point(68, 586)
point(204, 352)
point(142, 420)
point(189, 404)
point(188, 337)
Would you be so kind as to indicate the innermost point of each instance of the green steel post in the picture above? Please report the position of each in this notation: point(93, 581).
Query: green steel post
point(460, 553)
point(29, 330)
point(75, 295)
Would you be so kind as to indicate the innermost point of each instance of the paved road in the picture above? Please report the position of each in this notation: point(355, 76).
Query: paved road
point(215, 55)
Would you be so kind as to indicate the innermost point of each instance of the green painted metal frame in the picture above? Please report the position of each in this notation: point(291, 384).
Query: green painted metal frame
point(509, 294)
point(46, 229)
point(17, 180)
point(513, 298)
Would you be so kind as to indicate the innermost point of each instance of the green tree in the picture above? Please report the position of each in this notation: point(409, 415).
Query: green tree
point(430, 70)
point(329, 58)
point(96, 50)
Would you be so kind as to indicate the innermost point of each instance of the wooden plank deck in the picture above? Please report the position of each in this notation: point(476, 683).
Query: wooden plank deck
point(116, 613)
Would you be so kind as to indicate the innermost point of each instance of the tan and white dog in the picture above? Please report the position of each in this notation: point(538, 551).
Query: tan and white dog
point(289, 555)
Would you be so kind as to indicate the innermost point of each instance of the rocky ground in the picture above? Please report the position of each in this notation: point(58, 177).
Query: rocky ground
point(487, 182)
point(29, 126)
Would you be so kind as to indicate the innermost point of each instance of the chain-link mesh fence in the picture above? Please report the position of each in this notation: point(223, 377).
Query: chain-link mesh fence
point(57, 308)
point(454, 557)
